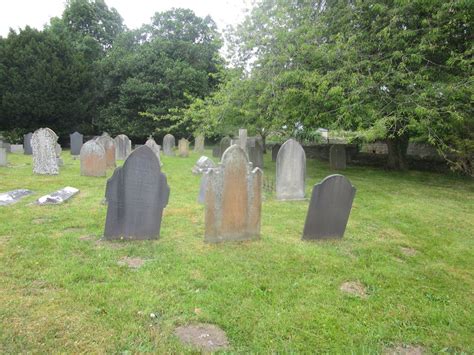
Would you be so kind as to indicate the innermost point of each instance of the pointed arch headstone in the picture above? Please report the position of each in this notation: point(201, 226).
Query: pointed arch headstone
point(290, 171)
point(76, 140)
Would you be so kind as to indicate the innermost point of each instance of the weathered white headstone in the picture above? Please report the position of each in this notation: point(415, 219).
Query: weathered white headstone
point(290, 171)
point(76, 140)
point(169, 144)
point(233, 199)
point(27, 143)
point(199, 144)
point(123, 147)
point(43, 143)
point(136, 195)
point(57, 197)
point(10, 197)
point(337, 157)
point(93, 159)
point(183, 147)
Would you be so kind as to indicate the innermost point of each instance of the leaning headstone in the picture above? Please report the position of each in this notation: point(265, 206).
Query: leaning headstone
point(255, 151)
point(216, 152)
point(27, 144)
point(17, 148)
point(123, 147)
point(243, 138)
point(224, 144)
point(154, 147)
point(3, 157)
point(290, 171)
point(76, 140)
point(43, 143)
point(109, 146)
point(136, 195)
point(57, 197)
point(93, 159)
point(275, 149)
point(329, 209)
point(203, 165)
point(168, 145)
point(337, 157)
point(233, 199)
point(183, 147)
point(10, 197)
point(199, 144)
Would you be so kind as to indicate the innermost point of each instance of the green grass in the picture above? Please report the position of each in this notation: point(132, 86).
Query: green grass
point(59, 293)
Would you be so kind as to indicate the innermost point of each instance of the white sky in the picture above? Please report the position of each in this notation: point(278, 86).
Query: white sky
point(36, 13)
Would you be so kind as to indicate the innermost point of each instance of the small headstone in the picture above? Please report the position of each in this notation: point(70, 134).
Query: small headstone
point(275, 149)
point(337, 157)
point(93, 159)
point(10, 197)
point(233, 199)
point(203, 165)
point(329, 209)
point(290, 171)
point(169, 144)
point(27, 143)
point(216, 152)
point(123, 147)
point(199, 144)
point(3, 157)
point(43, 143)
point(57, 197)
point(109, 146)
point(183, 147)
point(224, 144)
point(17, 148)
point(136, 194)
point(76, 140)
point(255, 151)
point(154, 147)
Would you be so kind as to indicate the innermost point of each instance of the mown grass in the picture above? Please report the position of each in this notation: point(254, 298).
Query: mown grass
point(61, 292)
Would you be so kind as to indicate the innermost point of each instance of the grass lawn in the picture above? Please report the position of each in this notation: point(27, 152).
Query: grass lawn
point(409, 242)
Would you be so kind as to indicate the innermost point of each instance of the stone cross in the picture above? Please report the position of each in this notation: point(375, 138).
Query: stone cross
point(337, 157)
point(169, 143)
point(123, 147)
point(136, 195)
point(199, 144)
point(43, 144)
point(329, 209)
point(27, 144)
point(93, 159)
point(154, 147)
point(290, 171)
point(233, 199)
point(183, 147)
point(109, 146)
point(76, 140)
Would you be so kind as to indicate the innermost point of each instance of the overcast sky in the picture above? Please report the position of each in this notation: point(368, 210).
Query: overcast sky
point(36, 13)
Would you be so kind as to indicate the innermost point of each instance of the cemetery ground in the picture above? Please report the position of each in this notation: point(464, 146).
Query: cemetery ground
point(402, 276)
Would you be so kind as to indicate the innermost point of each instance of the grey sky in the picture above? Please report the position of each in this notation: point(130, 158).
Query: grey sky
point(36, 13)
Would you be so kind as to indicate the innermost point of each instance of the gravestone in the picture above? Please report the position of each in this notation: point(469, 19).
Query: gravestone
point(202, 165)
point(224, 144)
point(57, 197)
point(43, 144)
point(76, 140)
point(59, 150)
point(27, 143)
point(329, 209)
point(216, 153)
point(199, 144)
point(233, 199)
point(290, 171)
point(10, 197)
point(255, 151)
point(154, 147)
point(136, 194)
point(3, 157)
point(275, 149)
point(109, 146)
point(93, 159)
point(183, 147)
point(123, 147)
point(17, 148)
point(5, 145)
point(168, 145)
point(243, 138)
point(337, 157)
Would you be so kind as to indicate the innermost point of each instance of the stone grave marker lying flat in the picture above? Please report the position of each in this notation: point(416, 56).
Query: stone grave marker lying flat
point(233, 199)
point(13, 196)
point(329, 209)
point(57, 197)
point(203, 165)
point(136, 195)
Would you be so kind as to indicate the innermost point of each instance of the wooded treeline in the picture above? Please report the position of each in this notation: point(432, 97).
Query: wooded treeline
point(387, 69)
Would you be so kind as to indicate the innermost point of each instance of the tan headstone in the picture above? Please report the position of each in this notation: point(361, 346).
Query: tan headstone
point(183, 147)
point(93, 159)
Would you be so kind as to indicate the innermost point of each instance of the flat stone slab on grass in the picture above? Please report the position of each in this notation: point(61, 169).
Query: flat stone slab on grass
point(133, 263)
point(57, 197)
point(13, 196)
point(206, 337)
point(408, 251)
point(404, 350)
point(354, 288)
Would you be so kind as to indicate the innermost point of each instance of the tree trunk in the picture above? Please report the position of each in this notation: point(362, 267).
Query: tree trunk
point(264, 142)
point(397, 152)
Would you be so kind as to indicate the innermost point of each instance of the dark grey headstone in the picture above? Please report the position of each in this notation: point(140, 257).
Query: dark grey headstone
point(329, 209)
point(58, 197)
point(10, 197)
point(255, 151)
point(223, 145)
point(77, 140)
point(27, 144)
point(216, 152)
point(337, 157)
point(275, 149)
point(136, 195)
